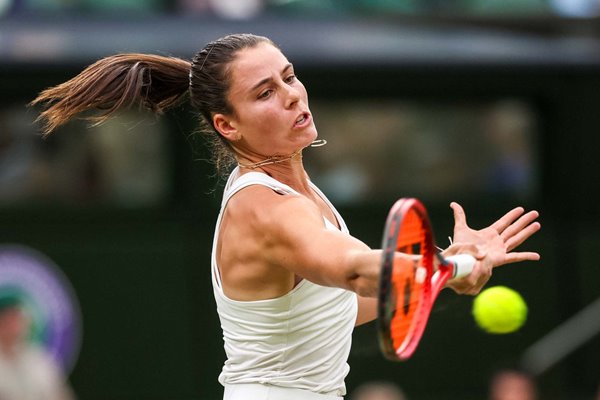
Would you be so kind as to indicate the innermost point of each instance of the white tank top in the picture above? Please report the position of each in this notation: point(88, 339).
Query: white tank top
point(299, 340)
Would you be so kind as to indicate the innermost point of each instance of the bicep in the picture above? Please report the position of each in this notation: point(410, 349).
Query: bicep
point(300, 241)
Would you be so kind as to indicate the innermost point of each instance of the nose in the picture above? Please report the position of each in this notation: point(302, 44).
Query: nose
point(292, 96)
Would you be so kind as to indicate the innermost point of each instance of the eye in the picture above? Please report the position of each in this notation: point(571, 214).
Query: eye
point(265, 94)
point(290, 78)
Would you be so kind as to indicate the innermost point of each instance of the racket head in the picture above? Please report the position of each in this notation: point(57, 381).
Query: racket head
point(405, 284)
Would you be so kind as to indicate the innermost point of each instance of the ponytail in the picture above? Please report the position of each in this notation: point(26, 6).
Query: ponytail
point(155, 83)
point(118, 82)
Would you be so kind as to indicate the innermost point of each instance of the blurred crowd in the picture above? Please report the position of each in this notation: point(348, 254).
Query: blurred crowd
point(506, 384)
point(244, 9)
point(27, 371)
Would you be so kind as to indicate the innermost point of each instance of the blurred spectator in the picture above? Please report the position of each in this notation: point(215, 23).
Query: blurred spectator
point(43, 6)
point(378, 391)
point(227, 9)
point(94, 6)
point(193, 7)
point(27, 372)
point(512, 385)
point(237, 9)
point(120, 6)
point(5, 7)
point(125, 169)
point(577, 8)
point(508, 127)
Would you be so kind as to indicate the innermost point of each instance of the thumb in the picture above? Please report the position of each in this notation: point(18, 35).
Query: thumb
point(459, 214)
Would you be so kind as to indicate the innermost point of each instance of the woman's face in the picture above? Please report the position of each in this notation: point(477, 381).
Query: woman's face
point(14, 326)
point(271, 114)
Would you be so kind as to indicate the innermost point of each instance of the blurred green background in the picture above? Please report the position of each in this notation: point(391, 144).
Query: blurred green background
point(492, 104)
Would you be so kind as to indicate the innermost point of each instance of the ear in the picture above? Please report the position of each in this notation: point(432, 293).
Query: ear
point(226, 127)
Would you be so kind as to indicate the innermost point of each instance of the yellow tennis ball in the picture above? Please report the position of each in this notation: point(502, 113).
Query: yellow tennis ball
point(499, 309)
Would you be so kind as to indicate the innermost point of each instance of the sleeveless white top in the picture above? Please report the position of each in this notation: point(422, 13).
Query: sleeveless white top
point(299, 340)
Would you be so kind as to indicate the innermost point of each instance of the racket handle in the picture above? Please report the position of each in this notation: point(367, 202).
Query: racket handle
point(463, 264)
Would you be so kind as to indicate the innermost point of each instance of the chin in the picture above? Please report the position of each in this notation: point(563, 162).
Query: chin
point(312, 136)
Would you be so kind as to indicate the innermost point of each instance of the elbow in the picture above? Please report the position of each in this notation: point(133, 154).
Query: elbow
point(364, 287)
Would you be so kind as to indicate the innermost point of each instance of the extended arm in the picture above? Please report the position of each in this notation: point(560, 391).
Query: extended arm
point(263, 249)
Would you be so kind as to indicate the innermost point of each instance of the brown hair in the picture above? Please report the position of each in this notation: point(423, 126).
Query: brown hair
point(153, 82)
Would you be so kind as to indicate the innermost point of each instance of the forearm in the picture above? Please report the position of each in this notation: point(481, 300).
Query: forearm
point(363, 272)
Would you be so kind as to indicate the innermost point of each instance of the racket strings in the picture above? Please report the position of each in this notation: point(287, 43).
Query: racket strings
point(409, 297)
point(406, 289)
point(410, 278)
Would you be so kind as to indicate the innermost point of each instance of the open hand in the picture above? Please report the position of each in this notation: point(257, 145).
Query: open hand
point(497, 242)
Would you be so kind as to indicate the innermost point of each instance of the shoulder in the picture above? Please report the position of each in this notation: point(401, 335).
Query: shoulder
point(38, 355)
point(261, 206)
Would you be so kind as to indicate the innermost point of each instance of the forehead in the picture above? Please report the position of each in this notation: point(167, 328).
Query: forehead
point(254, 64)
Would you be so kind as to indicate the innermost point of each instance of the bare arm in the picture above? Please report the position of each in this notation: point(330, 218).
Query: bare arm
point(327, 257)
point(367, 310)
point(262, 248)
point(287, 233)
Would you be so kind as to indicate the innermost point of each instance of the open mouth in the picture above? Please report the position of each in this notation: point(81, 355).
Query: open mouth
point(302, 119)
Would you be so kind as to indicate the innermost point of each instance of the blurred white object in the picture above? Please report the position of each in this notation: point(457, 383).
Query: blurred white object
point(576, 8)
point(237, 9)
point(5, 6)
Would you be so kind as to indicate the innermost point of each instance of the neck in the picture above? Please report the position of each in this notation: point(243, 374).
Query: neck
point(271, 160)
point(275, 159)
point(287, 169)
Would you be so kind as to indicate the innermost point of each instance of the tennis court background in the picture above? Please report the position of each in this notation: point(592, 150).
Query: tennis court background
point(135, 239)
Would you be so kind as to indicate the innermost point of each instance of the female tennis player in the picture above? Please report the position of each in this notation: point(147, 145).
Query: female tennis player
point(290, 282)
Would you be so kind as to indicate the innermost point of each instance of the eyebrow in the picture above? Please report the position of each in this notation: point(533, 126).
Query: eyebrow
point(263, 81)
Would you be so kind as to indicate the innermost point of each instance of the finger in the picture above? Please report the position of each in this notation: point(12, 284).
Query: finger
point(459, 214)
point(522, 236)
point(521, 256)
point(507, 219)
point(521, 223)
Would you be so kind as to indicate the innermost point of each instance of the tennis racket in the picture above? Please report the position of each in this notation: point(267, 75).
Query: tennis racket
point(409, 285)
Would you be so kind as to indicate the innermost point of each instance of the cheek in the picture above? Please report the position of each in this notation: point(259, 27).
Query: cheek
point(260, 127)
point(265, 118)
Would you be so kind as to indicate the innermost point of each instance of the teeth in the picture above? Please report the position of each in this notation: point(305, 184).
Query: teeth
point(301, 119)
